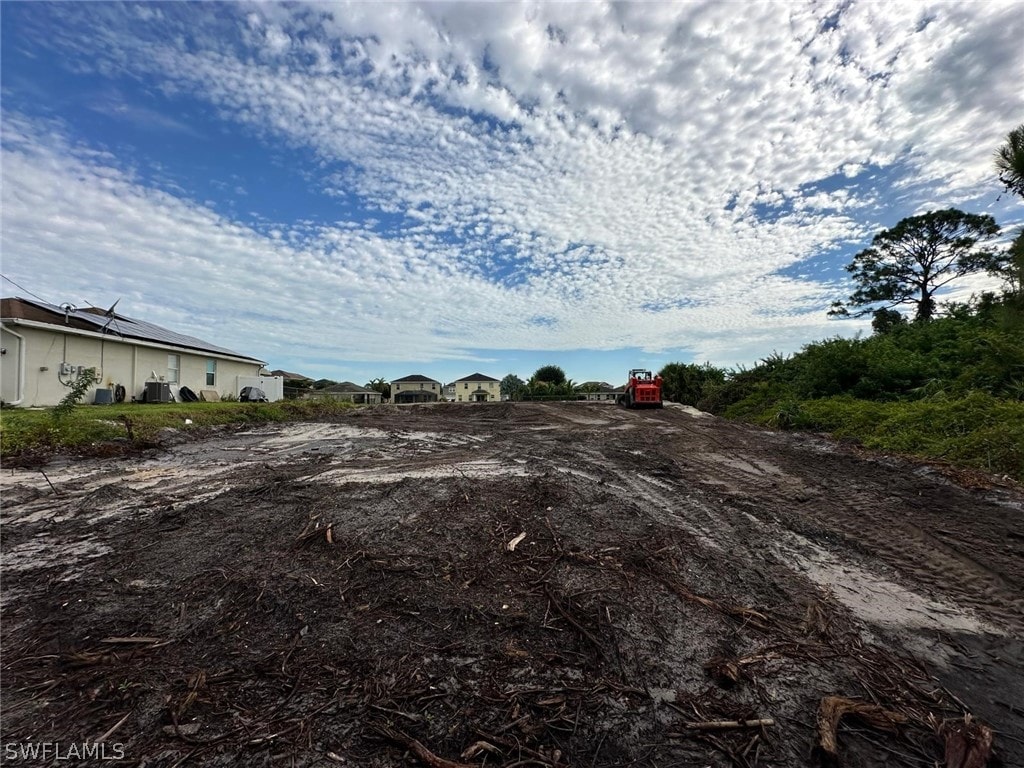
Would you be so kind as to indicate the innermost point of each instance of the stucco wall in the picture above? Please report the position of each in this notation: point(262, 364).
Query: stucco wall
point(10, 366)
point(116, 362)
point(416, 386)
point(464, 394)
point(403, 387)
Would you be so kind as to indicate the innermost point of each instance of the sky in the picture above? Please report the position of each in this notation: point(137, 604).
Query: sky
point(354, 191)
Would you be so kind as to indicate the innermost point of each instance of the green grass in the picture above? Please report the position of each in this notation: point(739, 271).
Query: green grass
point(977, 431)
point(40, 431)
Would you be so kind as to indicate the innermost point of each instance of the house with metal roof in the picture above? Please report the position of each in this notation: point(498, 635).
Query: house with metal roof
point(415, 388)
point(45, 347)
point(477, 388)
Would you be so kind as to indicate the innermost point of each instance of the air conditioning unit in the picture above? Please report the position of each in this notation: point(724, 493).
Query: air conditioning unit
point(158, 392)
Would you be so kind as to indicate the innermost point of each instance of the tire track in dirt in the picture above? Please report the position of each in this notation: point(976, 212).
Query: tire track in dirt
point(433, 494)
point(805, 483)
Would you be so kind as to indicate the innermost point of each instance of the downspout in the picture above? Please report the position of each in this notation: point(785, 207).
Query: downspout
point(21, 366)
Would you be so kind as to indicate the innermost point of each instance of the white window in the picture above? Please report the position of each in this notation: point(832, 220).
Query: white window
point(173, 368)
point(211, 373)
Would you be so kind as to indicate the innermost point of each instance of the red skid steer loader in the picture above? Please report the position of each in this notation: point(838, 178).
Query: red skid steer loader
point(643, 390)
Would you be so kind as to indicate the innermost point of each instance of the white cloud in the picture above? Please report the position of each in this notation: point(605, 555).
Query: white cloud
point(577, 162)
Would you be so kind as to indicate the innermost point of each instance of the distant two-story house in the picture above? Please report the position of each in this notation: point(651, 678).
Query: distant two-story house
point(416, 389)
point(477, 388)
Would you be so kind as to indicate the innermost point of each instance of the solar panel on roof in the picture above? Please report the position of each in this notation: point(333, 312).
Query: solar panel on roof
point(137, 329)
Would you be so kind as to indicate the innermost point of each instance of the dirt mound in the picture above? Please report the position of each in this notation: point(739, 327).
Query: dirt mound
point(511, 585)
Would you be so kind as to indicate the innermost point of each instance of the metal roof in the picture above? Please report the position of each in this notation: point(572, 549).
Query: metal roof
point(113, 324)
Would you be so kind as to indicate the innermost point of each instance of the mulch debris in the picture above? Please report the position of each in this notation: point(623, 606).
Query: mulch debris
point(533, 619)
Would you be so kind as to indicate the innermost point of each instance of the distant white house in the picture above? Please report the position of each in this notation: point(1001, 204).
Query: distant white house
point(44, 348)
point(416, 388)
point(477, 388)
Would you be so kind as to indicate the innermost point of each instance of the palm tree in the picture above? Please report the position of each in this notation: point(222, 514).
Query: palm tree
point(1010, 161)
point(381, 385)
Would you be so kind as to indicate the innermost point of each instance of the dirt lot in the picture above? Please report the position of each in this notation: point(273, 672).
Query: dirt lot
point(551, 585)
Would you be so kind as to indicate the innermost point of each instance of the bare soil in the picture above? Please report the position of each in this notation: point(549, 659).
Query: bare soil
point(511, 584)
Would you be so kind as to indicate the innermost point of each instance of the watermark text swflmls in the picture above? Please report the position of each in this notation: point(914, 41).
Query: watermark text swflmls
point(62, 751)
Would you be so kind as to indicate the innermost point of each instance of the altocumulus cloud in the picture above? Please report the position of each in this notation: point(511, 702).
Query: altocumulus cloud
point(668, 176)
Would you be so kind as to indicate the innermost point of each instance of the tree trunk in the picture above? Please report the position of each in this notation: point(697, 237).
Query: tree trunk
point(925, 307)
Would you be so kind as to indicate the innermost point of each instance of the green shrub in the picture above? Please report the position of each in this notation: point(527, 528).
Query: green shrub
point(688, 383)
point(81, 385)
point(763, 403)
point(977, 430)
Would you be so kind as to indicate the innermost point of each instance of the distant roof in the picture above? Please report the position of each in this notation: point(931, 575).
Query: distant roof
point(415, 377)
point(347, 386)
point(289, 375)
point(476, 377)
point(112, 324)
point(604, 386)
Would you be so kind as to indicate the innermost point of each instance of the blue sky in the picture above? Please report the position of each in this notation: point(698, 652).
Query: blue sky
point(378, 189)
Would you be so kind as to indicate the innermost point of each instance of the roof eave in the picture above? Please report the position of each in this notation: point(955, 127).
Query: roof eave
point(129, 340)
